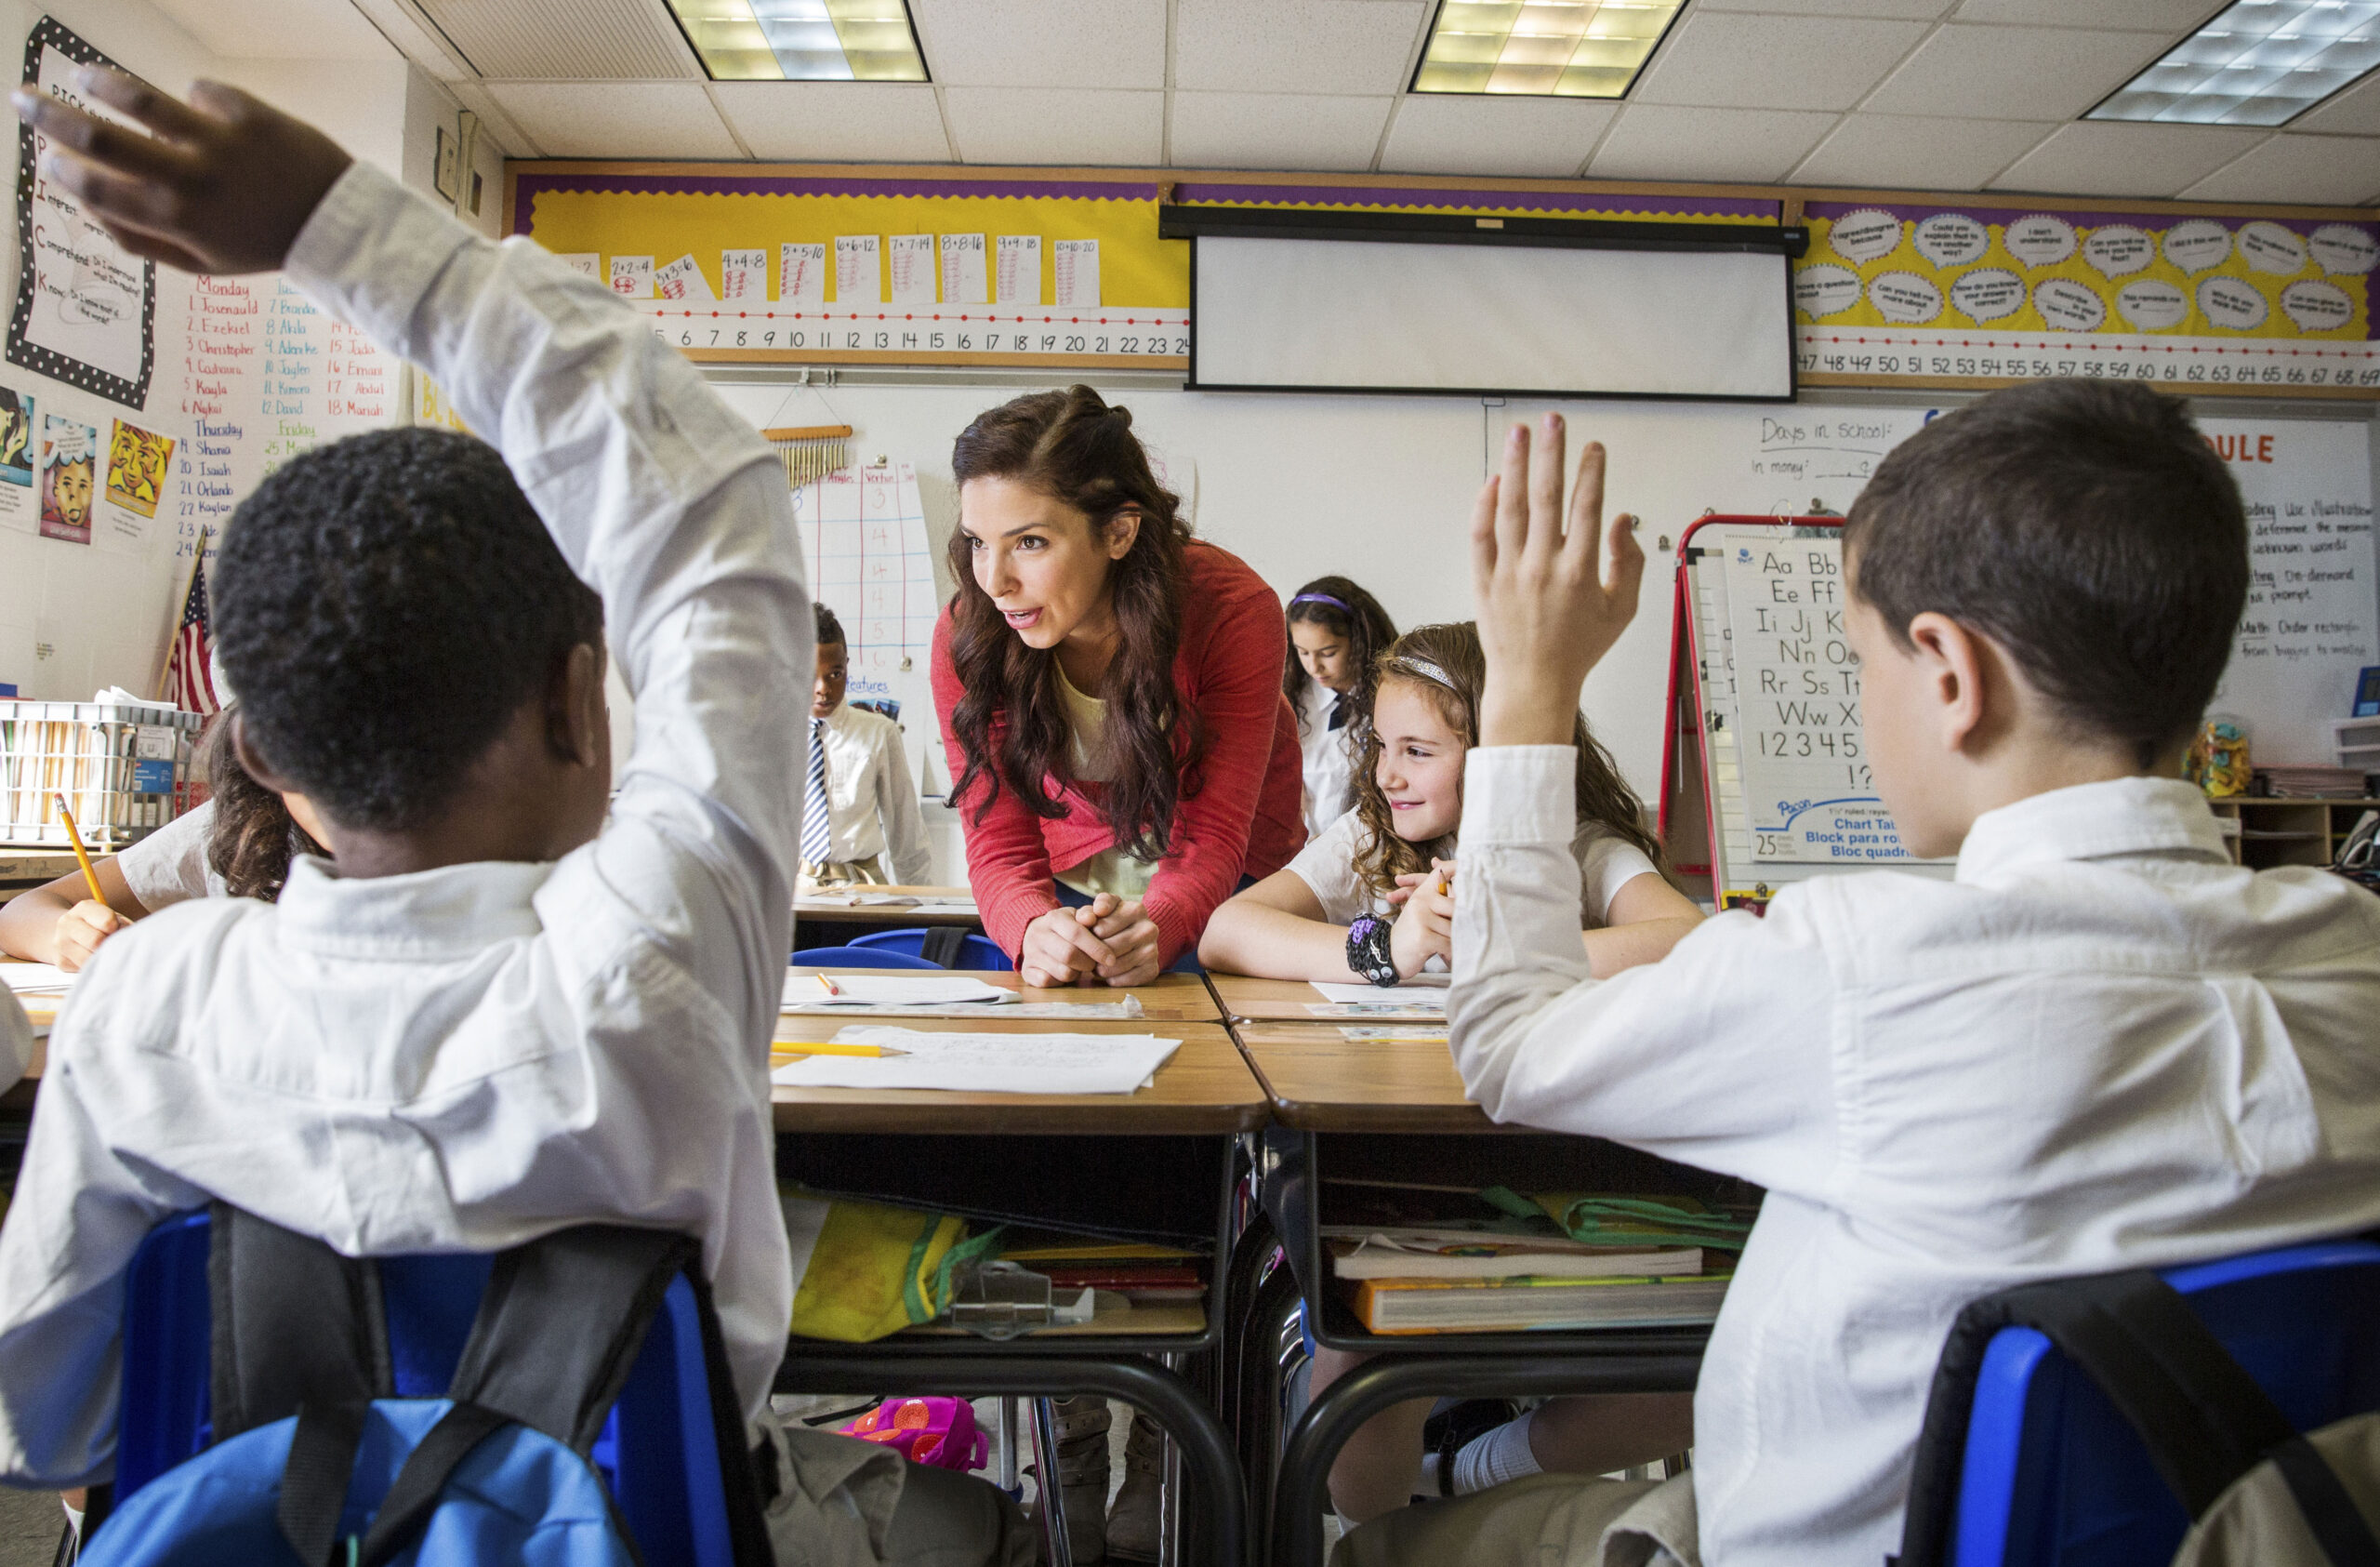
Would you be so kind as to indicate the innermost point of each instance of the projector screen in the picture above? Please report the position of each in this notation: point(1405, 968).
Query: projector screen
point(1359, 315)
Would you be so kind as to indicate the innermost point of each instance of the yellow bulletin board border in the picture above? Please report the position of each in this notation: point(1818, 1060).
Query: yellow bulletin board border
point(1869, 338)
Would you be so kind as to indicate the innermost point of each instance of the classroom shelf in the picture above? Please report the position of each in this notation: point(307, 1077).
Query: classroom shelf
point(2271, 831)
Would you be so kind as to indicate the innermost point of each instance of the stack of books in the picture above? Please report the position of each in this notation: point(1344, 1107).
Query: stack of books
point(2312, 782)
point(1432, 1279)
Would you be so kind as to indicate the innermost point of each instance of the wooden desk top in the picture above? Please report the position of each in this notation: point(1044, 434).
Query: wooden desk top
point(1285, 1000)
point(1204, 1088)
point(1170, 998)
point(820, 904)
point(1319, 1080)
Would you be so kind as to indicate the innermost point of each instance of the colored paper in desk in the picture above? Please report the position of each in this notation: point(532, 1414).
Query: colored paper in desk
point(803, 991)
point(988, 1063)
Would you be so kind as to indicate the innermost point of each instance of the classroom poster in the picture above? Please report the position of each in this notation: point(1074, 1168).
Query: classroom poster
point(864, 540)
point(139, 465)
point(18, 450)
point(85, 308)
point(69, 456)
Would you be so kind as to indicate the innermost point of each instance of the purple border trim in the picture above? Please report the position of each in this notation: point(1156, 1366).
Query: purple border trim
point(1535, 201)
point(2005, 215)
point(532, 186)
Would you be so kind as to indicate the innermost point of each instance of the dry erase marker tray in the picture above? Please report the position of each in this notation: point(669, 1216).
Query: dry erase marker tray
point(121, 766)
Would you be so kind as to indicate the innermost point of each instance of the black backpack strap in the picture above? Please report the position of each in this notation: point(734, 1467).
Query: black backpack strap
point(313, 1480)
point(2203, 1421)
point(560, 1324)
point(421, 1483)
point(943, 945)
point(295, 1324)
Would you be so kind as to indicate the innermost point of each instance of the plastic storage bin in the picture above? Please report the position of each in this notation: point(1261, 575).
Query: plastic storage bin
point(123, 768)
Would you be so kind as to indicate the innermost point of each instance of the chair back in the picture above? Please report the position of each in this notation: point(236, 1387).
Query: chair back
point(973, 952)
point(660, 1452)
point(2054, 1476)
point(859, 957)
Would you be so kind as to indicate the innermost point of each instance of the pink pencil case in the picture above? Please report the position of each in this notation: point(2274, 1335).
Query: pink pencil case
point(928, 1431)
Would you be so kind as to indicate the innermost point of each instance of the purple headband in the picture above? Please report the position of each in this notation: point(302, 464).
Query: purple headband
point(1322, 598)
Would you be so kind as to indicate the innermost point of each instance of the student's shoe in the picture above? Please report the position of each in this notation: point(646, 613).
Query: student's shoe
point(1138, 1515)
point(1079, 1426)
point(1449, 1431)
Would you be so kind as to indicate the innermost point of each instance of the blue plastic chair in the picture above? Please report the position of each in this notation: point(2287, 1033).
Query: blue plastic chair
point(2055, 1477)
point(659, 1453)
point(974, 952)
point(859, 957)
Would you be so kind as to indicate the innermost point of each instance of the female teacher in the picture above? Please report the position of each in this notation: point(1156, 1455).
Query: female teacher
point(1110, 697)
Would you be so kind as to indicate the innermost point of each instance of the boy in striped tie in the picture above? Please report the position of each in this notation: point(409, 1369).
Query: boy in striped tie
point(860, 820)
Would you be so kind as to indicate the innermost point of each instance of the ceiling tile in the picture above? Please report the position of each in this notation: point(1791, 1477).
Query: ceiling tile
point(1912, 11)
point(617, 119)
point(835, 122)
point(2173, 17)
point(1914, 153)
point(280, 28)
point(1275, 130)
point(2353, 112)
point(1662, 141)
point(566, 40)
point(2320, 170)
point(1056, 125)
point(1540, 138)
point(1774, 62)
point(2112, 158)
point(1043, 43)
point(2012, 72)
point(1295, 45)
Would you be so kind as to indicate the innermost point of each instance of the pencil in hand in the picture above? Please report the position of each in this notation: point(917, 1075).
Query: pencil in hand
point(82, 855)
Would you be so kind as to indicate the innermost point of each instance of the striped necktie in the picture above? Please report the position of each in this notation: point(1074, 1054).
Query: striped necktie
point(817, 831)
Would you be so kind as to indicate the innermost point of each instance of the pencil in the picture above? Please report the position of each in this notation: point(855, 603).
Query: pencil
point(797, 1047)
point(832, 988)
point(82, 855)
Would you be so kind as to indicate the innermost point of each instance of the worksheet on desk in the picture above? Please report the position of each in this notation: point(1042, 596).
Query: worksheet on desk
point(988, 1063)
point(805, 990)
point(1423, 996)
point(37, 978)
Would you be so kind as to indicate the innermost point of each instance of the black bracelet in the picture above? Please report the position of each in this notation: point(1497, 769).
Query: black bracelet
point(1368, 941)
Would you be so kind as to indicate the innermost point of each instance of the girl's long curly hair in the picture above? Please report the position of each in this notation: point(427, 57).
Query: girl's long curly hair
point(1445, 663)
point(253, 838)
point(1354, 617)
point(1011, 719)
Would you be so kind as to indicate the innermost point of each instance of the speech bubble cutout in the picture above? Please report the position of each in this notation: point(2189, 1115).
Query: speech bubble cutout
point(2039, 240)
point(2268, 248)
point(2227, 302)
point(2317, 307)
point(1825, 290)
point(1950, 239)
point(2152, 304)
point(1987, 294)
point(2198, 244)
point(2344, 250)
point(1904, 298)
point(2066, 306)
point(2118, 250)
point(1865, 235)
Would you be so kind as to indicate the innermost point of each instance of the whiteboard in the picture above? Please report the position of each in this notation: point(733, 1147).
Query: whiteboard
point(1377, 316)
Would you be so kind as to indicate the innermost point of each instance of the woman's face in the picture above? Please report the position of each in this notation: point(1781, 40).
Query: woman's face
point(1421, 762)
point(1040, 560)
point(1324, 653)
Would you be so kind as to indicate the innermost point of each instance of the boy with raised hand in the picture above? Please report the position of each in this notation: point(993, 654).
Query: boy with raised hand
point(2101, 1045)
point(498, 1013)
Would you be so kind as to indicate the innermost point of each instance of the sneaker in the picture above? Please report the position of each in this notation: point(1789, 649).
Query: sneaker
point(1079, 1426)
point(1449, 1431)
point(1139, 1514)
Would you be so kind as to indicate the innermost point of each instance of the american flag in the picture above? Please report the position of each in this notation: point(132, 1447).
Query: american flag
point(189, 678)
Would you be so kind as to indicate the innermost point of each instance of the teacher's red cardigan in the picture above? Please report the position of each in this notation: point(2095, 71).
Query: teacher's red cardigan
point(1245, 818)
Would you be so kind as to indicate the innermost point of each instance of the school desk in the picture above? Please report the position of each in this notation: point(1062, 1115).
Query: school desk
point(1292, 1001)
point(1170, 998)
point(824, 906)
point(1318, 1079)
point(24, 867)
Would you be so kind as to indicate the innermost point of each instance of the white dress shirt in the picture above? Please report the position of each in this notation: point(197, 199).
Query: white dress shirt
point(871, 803)
point(170, 865)
point(2101, 1047)
point(468, 1057)
point(1329, 758)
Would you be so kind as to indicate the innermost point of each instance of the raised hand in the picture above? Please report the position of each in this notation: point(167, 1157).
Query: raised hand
point(1552, 600)
point(222, 185)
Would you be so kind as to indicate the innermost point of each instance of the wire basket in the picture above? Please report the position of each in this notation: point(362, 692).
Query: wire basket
point(123, 768)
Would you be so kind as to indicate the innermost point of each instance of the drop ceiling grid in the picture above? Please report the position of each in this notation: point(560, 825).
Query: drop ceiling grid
point(570, 40)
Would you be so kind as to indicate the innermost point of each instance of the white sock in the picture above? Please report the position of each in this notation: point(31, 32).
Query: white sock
point(1500, 1455)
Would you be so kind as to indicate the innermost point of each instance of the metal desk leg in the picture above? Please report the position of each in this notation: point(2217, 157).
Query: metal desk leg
point(1298, 1493)
point(1215, 1485)
point(1048, 1488)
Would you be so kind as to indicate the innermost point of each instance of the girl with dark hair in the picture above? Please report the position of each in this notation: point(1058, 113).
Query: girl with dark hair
point(1121, 754)
point(1371, 897)
point(1336, 632)
point(238, 845)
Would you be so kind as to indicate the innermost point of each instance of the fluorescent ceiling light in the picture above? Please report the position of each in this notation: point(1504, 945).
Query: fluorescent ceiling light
point(802, 40)
point(1552, 48)
point(2259, 62)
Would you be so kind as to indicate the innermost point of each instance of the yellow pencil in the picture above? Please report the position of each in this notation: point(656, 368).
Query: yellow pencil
point(788, 1047)
point(832, 988)
point(82, 855)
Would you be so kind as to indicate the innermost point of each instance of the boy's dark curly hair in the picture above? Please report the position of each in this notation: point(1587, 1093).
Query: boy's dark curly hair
point(384, 606)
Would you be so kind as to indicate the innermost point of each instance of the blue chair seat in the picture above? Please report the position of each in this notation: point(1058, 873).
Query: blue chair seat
point(860, 957)
point(974, 952)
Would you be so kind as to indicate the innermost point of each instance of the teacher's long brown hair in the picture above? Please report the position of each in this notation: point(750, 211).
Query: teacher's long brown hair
point(1010, 721)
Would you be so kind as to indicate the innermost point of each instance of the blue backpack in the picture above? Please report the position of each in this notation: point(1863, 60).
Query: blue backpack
point(314, 1463)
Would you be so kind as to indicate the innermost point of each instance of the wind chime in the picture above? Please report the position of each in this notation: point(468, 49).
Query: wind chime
point(810, 452)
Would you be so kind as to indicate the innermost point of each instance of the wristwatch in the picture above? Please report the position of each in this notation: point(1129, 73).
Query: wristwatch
point(1367, 949)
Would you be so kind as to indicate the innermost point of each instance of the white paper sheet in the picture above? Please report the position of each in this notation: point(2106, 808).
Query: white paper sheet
point(31, 978)
point(911, 256)
point(1078, 269)
point(1421, 990)
point(683, 279)
point(803, 989)
point(965, 279)
point(988, 1063)
point(801, 274)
